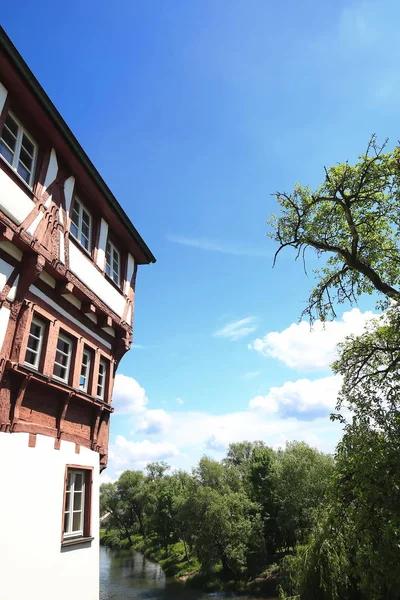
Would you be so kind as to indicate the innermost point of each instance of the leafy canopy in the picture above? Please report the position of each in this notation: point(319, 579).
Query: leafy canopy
point(353, 218)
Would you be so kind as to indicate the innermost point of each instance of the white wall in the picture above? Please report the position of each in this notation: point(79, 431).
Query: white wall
point(84, 269)
point(32, 564)
point(13, 201)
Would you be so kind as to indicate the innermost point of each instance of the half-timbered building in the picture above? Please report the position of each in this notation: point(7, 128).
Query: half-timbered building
point(68, 262)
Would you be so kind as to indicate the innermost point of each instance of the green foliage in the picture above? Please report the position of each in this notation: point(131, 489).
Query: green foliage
point(222, 519)
point(353, 551)
point(353, 218)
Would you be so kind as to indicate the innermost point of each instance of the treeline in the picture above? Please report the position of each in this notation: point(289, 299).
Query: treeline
point(237, 515)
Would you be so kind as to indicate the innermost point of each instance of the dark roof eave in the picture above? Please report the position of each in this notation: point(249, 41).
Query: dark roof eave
point(7, 45)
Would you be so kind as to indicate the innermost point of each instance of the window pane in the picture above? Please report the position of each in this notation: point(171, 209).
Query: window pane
point(8, 155)
point(25, 174)
point(66, 522)
point(85, 218)
point(9, 139)
point(60, 372)
point(67, 501)
point(63, 345)
point(35, 329)
point(61, 359)
point(75, 215)
point(76, 522)
point(77, 500)
point(74, 230)
point(78, 481)
point(27, 146)
point(26, 159)
point(85, 242)
point(30, 357)
point(33, 343)
point(12, 125)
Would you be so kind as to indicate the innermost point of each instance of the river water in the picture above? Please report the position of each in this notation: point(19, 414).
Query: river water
point(128, 574)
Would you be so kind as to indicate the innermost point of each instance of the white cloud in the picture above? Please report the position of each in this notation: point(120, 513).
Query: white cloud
point(297, 410)
point(105, 478)
point(302, 347)
point(126, 454)
point(235, 248)
point(238, 329)
point(129, 397)
point(301, 396)
point(154, 422)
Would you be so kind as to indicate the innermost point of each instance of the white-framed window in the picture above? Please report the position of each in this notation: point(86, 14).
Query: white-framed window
point(35, 343)
point(81, 224)
point(85, 370)
point(102, 379)
point(18, 148)
point(113, 262)
point(74, 507)
point(63, 358)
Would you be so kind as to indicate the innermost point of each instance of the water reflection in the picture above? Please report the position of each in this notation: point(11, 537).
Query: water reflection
point(127, 574)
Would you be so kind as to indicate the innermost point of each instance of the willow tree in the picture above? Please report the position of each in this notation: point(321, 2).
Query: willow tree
point(352, 219)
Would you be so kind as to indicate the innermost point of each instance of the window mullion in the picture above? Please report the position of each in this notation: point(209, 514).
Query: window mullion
point(17, 147)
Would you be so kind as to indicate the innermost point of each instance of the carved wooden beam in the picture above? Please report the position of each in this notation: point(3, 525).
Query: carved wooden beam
point(18, 402)
point(62, 413)
point(65, 288)
point(6, 234)
point(88, 308)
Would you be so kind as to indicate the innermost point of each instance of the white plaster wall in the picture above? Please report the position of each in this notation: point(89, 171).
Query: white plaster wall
point(33, 565)
point(129, 273)
point(52, 170)
point(68, 191)
point(11, 249)
point(101, 253)
point(4, 318)
point(83, 268)
point(13, 201)
point(3, 96)
point(5, 271)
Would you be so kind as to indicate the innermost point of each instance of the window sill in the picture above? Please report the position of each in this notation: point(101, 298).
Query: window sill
point(76, 541)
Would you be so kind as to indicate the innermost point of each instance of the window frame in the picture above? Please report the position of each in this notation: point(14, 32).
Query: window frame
point(38, 322)
point(70, 341)
point(114, 250)
point(103, 386)
point(79, 228)
point(17, 153)
point(88, 353)
point(84, 534)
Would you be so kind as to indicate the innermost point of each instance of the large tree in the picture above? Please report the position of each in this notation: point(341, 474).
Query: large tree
point(353, 219)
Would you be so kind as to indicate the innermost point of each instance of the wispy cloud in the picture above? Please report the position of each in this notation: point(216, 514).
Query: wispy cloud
point(251, 374)
point(238, 329)
point(235, 248)
point(180, 400)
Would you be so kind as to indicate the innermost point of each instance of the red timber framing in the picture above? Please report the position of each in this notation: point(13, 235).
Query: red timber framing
point(41, 286)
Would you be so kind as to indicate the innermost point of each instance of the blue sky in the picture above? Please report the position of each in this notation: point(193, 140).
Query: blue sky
point(194, 113)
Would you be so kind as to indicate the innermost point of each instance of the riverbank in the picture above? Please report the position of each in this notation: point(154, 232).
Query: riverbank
point(175, 565)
